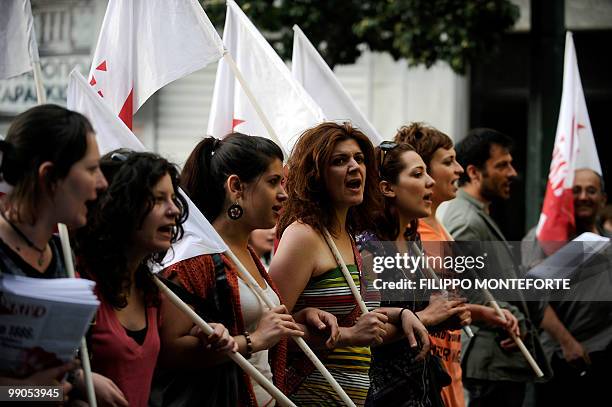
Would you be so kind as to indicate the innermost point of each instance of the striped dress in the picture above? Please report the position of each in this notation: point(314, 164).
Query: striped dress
point(348, 365)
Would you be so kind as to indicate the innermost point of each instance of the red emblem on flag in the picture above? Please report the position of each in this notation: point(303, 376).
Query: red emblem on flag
point(236, 122)
point(102, 66)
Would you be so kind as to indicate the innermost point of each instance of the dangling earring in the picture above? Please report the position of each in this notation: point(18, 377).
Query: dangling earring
point(235, 211)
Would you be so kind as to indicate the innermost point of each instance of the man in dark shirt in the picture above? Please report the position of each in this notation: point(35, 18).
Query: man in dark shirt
point(578, 326)
point(494, 373)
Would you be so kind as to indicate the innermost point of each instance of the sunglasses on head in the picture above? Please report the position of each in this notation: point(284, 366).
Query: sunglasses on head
point(120, 157)
point(384, 148)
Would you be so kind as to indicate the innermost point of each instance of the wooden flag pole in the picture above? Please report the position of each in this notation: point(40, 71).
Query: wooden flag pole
point(235, 356)
point(41, 96)
point(67, 252)
point(254, 286)
point(519, 342)
point(517, 339)
point(247, 90)
point(345, 272)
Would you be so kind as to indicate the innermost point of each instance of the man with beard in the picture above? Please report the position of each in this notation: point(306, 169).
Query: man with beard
point(494, 372)
point(577, 326)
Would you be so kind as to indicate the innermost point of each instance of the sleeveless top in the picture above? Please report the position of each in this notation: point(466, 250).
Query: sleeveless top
point(197, 276)
point(117, 356)
point(252, 311)
point(396, 377)
point(348, 365)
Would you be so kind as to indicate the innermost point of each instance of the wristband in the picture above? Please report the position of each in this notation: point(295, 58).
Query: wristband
point(249, 345)
point(400, 314)
point(409, 310)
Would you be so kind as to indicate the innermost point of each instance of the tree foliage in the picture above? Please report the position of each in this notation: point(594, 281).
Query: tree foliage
point(458, 32)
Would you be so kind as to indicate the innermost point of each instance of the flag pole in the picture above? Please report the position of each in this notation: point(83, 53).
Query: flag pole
point(247, 90)
point(345, 272)
point(239, 359)
point(351, 283)
point(67, 252)
point(517, 339)
point(41, 95)
point(432, 275)
point(254, 286)
point(235, 356)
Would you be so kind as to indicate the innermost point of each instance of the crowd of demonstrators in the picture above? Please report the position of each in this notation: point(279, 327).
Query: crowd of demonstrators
point(50, 159)
point(236, 183)
point(438, 153)
point(125, 211)
point(577, 326)
point(402, 375)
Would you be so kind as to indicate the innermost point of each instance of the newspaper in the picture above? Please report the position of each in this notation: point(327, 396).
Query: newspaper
point(567, 260)
point(42, 321)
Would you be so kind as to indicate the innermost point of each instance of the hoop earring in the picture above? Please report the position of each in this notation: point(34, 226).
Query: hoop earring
point(235, 211)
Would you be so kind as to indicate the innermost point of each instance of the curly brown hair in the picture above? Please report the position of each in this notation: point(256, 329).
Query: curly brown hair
point(103, 244)
point(308, 200)
point(425, 139)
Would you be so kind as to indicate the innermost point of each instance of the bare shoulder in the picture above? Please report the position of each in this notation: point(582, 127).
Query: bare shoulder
point(299, 247)
point(294, 262)
point(302, 234)
point(306, 243)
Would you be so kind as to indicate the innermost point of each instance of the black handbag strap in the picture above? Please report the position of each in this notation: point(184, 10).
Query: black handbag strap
point(225, 384)
point(211, 308)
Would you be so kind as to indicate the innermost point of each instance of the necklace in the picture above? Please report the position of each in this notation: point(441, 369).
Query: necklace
point(26, 239)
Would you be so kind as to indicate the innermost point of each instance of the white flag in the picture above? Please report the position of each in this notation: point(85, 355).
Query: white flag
point(111, 133)
point(574, 149)
point(146, 44)
point(284, 102)
point(313, 73)
point(18, 48)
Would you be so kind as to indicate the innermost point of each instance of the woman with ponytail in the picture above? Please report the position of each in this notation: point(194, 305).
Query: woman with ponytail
point(50, 160)
point(236, 183)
